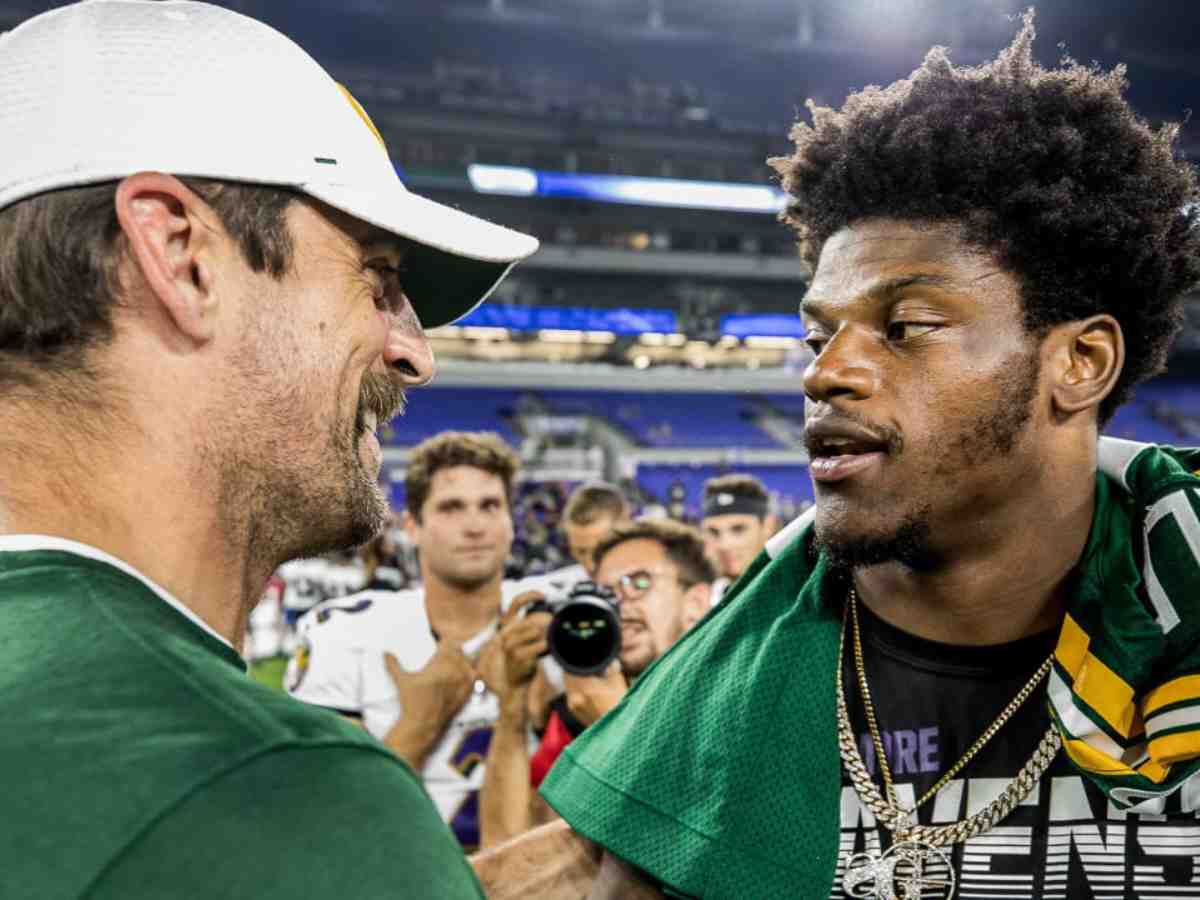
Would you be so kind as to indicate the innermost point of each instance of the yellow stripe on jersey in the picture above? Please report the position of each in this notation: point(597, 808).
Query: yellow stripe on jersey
point(1175, 747)
point(1072, 646)
point(1088, 758)
point(1185, 688)
point(1094, 682)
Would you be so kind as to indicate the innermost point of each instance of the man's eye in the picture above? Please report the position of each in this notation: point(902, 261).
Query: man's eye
point(903, 331)
point(387, 279)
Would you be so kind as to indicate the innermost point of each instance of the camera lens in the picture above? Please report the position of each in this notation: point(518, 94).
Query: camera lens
point(585, 635)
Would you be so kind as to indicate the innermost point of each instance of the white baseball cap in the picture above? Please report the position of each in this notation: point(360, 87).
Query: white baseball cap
point(100, 90)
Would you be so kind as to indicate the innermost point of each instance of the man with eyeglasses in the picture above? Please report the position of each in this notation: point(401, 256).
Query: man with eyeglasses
point(663, 581)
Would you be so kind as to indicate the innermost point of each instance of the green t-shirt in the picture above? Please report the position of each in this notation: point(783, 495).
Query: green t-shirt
point(719, 773)
point(138, 760)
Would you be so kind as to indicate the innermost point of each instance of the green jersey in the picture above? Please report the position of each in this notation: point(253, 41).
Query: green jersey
point(719, 773)
point(137, 759)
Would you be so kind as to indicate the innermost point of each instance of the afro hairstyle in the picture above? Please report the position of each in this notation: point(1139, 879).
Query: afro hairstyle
point(1048, 170)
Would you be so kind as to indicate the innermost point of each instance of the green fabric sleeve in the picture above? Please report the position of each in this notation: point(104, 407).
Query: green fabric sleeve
point(718, 774)
point(324, 822)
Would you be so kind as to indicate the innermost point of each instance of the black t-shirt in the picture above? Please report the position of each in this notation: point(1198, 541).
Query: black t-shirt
point(932, 701)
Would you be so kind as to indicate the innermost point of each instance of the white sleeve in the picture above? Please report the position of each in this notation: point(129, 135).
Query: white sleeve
point(326, 669)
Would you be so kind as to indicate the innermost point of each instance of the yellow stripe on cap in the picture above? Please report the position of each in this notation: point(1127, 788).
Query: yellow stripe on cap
point(362, 114)
point(1180, 689)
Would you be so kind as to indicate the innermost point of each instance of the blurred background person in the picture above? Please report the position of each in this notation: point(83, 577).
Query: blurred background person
point(404, 664)
point(662, 579)
point(737, 521)
point(588, 518)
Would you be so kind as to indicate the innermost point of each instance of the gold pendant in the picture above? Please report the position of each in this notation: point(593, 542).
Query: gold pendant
point(908, 870)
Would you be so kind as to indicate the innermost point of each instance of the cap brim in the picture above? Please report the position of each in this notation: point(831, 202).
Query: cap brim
point(460, 258)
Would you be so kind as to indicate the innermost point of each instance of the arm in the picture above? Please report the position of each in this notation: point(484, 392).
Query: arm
point(505, 800)
point(508, 665)
point(554, 863)
point(550, 863)
point(414, 739)
point(617, 880)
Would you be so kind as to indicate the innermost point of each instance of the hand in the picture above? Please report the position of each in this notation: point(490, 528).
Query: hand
point(590, 696)
point(509, 661)
point(429, 699)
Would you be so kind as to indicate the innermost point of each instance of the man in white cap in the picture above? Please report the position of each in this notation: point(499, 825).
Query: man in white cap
point(213, 289)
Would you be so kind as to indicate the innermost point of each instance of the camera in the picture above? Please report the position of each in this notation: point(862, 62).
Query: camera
point(585, 632)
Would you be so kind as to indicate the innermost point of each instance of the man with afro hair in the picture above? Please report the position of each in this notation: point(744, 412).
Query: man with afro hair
point(973, 668)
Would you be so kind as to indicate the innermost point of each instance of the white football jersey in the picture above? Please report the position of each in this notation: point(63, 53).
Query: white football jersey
point(339, 665)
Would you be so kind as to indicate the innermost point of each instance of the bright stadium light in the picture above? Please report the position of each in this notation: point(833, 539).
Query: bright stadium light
point(512, 180)
point(673, 192)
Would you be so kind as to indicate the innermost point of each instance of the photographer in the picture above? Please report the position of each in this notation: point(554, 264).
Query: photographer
point(661, 579)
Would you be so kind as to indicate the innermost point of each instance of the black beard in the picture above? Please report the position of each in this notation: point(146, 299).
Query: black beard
point(908, 545)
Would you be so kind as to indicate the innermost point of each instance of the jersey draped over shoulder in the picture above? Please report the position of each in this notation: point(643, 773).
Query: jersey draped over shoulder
point(719, 773)
point(693, 778)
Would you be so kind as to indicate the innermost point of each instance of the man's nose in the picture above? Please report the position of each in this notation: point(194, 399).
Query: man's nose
point(843, 368)
point(407, 350)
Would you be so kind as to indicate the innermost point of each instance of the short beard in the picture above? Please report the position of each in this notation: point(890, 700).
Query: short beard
point(333, 503)
point(908, 544)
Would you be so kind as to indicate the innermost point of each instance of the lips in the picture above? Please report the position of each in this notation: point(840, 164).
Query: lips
point(839, 448)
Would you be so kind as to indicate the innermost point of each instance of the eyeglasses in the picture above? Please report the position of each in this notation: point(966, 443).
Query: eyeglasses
point(635, 585)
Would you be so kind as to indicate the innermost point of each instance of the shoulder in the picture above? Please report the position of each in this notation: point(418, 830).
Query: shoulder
point(282, 845)
point(366, 619)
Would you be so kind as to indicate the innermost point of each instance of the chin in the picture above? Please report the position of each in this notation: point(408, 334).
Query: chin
point(906, 541)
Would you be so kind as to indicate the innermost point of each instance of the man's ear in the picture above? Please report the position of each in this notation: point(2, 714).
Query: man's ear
point(697, 600)
point(171, 233)
point(410, 525)
point(1085, 359)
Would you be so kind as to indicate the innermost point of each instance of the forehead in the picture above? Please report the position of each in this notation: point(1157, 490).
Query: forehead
point(321, 222)
point(872, 253)
point(464, 482)
point(592, 531)
point(629, 556)
point(720, 523)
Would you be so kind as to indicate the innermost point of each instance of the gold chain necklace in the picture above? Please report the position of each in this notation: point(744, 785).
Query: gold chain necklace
point(914, 863)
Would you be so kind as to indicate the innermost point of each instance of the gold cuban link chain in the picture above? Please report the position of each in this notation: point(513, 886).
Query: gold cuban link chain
point(889, 811)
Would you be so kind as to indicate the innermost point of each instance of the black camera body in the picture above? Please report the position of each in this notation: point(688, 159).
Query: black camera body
point(585, 632)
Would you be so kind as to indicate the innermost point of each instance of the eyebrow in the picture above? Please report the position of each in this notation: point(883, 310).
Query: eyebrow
point(884, 289)
point(377, 238)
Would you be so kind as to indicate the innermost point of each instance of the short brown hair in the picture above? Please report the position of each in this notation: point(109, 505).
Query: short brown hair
point(591, 501)
point(60, 254)
point(683, 544)
point(477, 449)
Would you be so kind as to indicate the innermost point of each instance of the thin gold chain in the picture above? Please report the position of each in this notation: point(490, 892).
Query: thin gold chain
point(874, 730)
point(891, 814)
